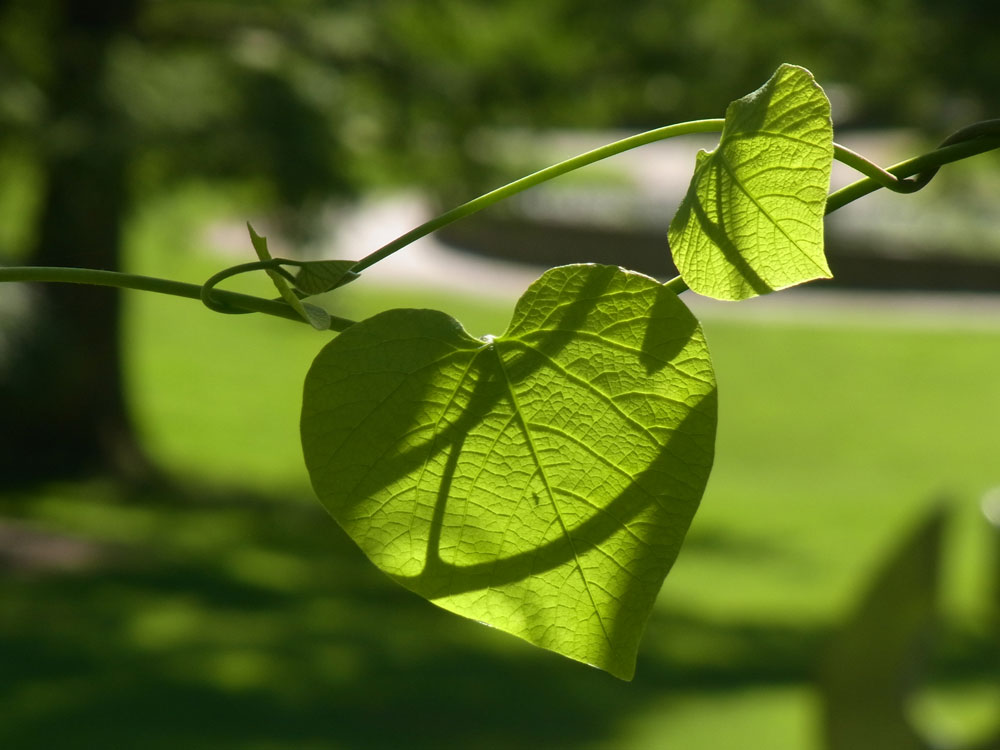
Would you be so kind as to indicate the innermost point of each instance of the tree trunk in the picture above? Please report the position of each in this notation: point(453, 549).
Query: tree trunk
point(65, 411)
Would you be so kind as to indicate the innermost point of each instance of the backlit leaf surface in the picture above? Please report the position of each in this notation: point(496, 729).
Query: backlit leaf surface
point(752, 219)
point(541, 481)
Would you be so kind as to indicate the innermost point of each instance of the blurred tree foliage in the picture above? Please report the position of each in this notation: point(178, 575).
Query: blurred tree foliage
point(103, 103)
point(313, 96)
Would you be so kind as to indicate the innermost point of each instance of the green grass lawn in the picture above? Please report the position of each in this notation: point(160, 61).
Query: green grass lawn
point(228, 611)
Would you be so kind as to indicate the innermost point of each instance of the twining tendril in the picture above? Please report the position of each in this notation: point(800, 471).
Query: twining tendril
point(913, 174)
point(208, 297)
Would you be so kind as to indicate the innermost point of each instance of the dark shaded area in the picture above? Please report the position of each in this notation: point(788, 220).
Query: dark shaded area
point(409, 675)
point(281, 634)
point(65, 372)
point(857, 269)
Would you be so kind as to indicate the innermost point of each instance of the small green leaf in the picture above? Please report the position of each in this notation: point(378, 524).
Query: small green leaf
point(316, 316)
point(319, 276)
point(752, 219)
point(542, 481)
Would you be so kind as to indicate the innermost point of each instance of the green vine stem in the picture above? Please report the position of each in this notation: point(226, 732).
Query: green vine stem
point(872, 170)
point(536, 178)
point(905, 177)
point(234, 302)
point(161, 286)
point(210, 295)
point(975, 139)
point(969, 141)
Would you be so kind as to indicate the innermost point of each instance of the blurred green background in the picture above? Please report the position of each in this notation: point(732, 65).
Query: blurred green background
point(178, 585)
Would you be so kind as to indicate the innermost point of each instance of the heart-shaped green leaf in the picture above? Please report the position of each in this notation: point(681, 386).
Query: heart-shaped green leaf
point(542, 481)
point(752, 219)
